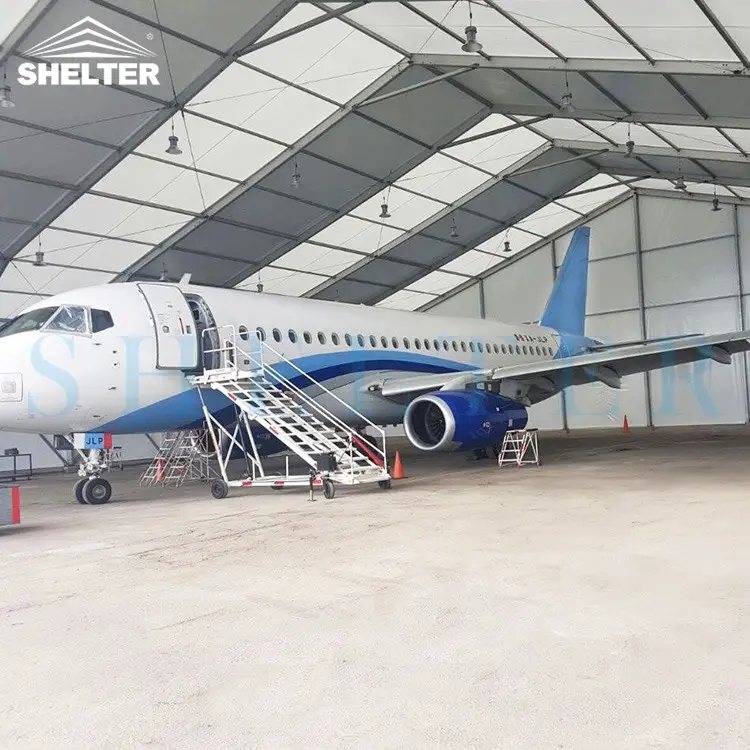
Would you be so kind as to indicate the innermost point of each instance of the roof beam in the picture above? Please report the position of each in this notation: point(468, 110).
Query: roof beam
point(497, 131)
point(624, 34)
point(589, 65)
point(723, 33)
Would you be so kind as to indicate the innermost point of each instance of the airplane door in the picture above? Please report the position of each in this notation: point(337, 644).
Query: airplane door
point(176, 335)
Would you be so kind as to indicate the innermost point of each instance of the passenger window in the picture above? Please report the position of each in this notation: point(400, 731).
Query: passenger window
point(496, 348)
point(361, 340)
point(436, 344)
point(538, 352)
point(463, 346)
point(335, 339)
point(348, 339)
point(518, 349)
point(471, 345)
point(292, 336)
point(101, 320)
point(480, 346)
point(307, 337)
point(373, 342)
point(455, 346)
point(525, 351)
point(445, 345)
point(384, 342)
point(394, 342)
point(406, 343)
point(261, 334)
point(321, 337)
point(502, 348)
point(70, 320)
point(276, 334)
point(244, 333)
point(427, 344)
point(417, 344)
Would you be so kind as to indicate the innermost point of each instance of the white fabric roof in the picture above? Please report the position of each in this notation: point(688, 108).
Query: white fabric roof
point(84, 175)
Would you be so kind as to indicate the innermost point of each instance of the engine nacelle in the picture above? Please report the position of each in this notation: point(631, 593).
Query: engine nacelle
point(461, 420)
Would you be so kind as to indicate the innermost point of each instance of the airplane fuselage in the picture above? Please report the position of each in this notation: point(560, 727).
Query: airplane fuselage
point(132, 376)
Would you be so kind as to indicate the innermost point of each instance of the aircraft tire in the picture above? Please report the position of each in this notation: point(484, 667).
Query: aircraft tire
point(329, 489)
point(385, 484)
point(219, 489)
point(97, 491)
point(79, 491)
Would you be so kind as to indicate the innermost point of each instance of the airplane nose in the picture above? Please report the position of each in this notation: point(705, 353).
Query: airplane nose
point(11, 387)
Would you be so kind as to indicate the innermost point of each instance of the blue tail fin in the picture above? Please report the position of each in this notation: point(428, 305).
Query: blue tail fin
point(566, 307)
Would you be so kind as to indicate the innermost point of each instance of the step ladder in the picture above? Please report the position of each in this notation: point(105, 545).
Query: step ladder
point(183, 456)
point(250, 377)
point(520, 448)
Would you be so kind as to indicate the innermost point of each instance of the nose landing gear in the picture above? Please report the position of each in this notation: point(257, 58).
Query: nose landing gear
point(91, 489)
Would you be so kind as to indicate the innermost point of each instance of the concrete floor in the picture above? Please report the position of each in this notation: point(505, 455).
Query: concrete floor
point(600, 601)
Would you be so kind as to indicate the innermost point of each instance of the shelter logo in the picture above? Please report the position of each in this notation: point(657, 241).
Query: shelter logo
point(88, 40)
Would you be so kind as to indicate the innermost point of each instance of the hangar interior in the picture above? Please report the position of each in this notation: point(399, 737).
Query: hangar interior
point(356, 152)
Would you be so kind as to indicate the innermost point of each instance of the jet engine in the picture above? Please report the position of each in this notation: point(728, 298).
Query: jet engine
point(461, 420)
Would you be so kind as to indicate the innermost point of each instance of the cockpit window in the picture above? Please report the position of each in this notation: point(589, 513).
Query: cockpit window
point(69, 320)
point(101, 320)
point(30, 321)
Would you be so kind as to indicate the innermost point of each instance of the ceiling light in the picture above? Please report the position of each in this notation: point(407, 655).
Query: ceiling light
point(471, 45)
point(259, 286)
point(566, 103)
point(630, 146)
point(454, 228)
point(715, 206)
point(39, 259)
point(163, 275)
point(507, 248)
point(174, 149)
point(679, 184)
point(6, 95)
point(384, 212)
point(296, 177)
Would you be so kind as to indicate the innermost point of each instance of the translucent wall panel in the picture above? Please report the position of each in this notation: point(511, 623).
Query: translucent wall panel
point(25, 277)
point(690, 272)
point(597, 405)
point(279, 281)
point(547, 415)
point(11, 304)
point(704, 392)
point(613, 285)
point(519, 290)
point(612, 233)
point(465, 304)
point(672, 221)
point(743, 222)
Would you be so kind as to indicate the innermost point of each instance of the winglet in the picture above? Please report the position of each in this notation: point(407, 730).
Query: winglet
point(566, 307)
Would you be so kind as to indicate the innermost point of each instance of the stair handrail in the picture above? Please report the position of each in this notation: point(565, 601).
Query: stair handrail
point(230, 346)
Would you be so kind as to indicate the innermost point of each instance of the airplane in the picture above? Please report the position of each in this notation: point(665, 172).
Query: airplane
point(116, 358)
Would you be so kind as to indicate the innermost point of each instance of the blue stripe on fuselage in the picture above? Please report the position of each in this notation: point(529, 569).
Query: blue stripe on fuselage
point(183, 410)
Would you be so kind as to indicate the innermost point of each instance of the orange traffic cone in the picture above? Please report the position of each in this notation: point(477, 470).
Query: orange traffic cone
point(398, 469)
point(625, 425)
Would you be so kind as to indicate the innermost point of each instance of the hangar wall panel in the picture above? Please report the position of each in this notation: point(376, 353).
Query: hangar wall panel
point(743, 227)
point(465, 304)
point(547, 415)
point(703, 392)
point(667, 221)
point(695, 271)
point(613, 285)
point(518, 292)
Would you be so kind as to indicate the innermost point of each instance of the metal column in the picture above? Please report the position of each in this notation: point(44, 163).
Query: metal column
point(740, 302)
point(642, 304)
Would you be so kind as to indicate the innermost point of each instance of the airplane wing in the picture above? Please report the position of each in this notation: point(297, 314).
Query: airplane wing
point(607, 366)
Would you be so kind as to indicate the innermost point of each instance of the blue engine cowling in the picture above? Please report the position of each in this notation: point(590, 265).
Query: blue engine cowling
point(461, 420)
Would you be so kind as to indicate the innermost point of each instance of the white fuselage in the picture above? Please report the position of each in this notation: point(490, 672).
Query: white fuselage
point(60, 381)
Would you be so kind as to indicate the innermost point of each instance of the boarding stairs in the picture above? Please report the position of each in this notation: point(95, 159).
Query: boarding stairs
point(182, 456)
point(332, 449)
